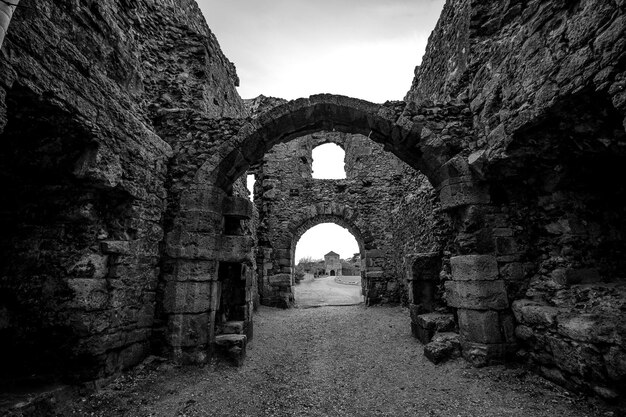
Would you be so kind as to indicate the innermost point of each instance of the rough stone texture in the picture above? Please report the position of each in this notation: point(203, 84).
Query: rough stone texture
point(443, 347)
point(126, 228)
point(546, 85)
point(366, 203)
point(427, 325)
point(84, 174)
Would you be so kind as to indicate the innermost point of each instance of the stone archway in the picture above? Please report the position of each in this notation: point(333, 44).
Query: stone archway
point(417, 136)
point(276, 289)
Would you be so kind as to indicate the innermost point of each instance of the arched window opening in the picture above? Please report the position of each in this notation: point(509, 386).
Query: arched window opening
point(323, 276)
point(329, 162)
point(250, 181)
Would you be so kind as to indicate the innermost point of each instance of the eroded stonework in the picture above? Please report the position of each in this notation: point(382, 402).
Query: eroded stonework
point(290, 201)
point(126, 224)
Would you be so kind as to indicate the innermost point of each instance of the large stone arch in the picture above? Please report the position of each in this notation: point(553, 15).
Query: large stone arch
point(196, 245)
point(324, 112)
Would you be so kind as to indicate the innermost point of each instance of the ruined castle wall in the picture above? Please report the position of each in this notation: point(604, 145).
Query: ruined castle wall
point(545, 83)
point(391, 206)
point(84, 173)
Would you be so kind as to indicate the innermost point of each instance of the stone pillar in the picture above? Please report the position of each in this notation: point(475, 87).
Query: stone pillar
point(374, 283)
point(279, 289)
point(196, 247)
point(480, 296)
point(6, 13)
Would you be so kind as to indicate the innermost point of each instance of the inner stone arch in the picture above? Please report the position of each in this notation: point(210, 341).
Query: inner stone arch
point(214, 193)
point(313, 285)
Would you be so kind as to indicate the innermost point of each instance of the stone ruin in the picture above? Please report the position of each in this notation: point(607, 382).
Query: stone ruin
point(490, 200)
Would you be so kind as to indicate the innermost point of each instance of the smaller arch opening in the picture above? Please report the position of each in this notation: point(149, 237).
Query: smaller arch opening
point(319, 270)
point(329, 162)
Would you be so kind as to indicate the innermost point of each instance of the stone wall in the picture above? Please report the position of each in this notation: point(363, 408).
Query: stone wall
point(546, 85)
point(121, 124)
point(378, 187)
point(83, 91)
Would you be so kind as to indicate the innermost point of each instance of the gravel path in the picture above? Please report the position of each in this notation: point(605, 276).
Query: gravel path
point(326, 291)
point(332, 361)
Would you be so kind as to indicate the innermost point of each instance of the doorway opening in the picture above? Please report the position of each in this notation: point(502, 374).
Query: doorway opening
point(319, 278)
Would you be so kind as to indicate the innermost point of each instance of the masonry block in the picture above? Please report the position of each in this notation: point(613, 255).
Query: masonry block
point(461, 191)
point(232, 347)
point(480, 326)
point(186, 330)
point(236, 249)
point(474, 268)
point(427, 325)
point(187, 297)
point(189, 270)
point(476, 295)
point(280, 280)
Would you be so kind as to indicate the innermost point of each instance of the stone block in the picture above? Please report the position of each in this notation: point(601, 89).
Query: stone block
point(186, 330)
point(443, 347)
point(187, 297)
point(461, 191)
point(188, 270)
point(233, 327)
point(284, 262)
point(236, 249)
point(524, 333)
point(202, 197)
point(280, 280)
point(115, 247)
point(480, 326)
point(374, 275)
point(515, 271)
point(534, 314)
point(474, 268)
point(476, 295)
point(232, 347)
point(427, 325)
point(483, 354)
point(592, 328)
point(204, 221)
point(568, 276)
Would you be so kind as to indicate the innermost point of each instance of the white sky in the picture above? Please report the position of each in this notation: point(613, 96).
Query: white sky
point(366, 49)
point(321, 239)
point(328, 162)
point(294, 48)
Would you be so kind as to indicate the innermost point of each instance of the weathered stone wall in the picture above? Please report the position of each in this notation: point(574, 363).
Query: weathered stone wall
point(377, 187)
point(83, 91)
point(516, 116)
point(546, 85)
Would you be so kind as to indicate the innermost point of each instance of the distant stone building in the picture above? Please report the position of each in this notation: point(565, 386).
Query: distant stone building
point(333, 264)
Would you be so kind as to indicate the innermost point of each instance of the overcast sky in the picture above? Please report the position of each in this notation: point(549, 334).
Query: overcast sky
point(294, 48)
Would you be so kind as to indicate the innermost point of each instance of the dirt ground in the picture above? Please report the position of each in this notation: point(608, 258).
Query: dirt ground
point(332, 361)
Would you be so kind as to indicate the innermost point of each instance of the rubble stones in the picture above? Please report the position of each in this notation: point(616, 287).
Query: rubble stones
point(443, 347)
